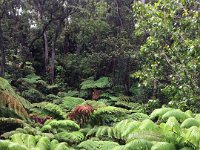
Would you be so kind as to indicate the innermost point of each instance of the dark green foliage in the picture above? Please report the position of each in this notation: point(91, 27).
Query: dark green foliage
point(48, 109)
point(108, 115)
point(70, 102)
point(100, 83)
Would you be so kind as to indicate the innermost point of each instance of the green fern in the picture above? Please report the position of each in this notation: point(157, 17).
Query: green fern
point(190, 122)
point(11, 104)
point(138, 116)
point(138, 144)
point(163, 146)
point(48, 109)
point(108, 115)
point(97, 145)
point(193, 136)
point(178, 114)
point(9, 124)
point(95, 104)
point(62, 125)
point(100, 83)
point(125, 127)
point(70, 137)
point(70, 102)
point(158, 113)
point(134, 107)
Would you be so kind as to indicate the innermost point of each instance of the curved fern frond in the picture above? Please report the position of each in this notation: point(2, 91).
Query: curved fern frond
point(177, 113)
point(157, 113)
point(190, 122)
point(71, 138)
point(163, 146)
point(134, 107)
point(138, 116)
point(10, 101)
point(62, 125)
point(147, 135)
point(100, 145)
point(108, 115)
point(70, 102)
point(103, 82)
point(138, 144)
point(9, 124)
point(48, 109)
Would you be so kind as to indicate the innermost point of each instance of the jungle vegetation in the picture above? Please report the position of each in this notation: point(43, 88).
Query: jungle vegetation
point(99, 75)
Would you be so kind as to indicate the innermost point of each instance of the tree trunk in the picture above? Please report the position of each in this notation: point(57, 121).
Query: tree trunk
point(3, 56)
point(46, 51)
point(52, 73)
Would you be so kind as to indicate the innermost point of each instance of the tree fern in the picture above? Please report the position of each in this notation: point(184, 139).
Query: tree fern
point(48, 109)
point(178, 114)
point(10, 101)
point(122, 129)
point(103, 82)
point(138, 116)
point(148, 125)
point(94, 104)
point(147, 135)
point(163, 146)
point(70, 137)
point(70, 102)
point(104, 132)
point(62, 125)
point(138, 144)
point(134, 107)
point(190, 122)
point(108, 115)
point(9, 124)
point(158, 113)
point(193, 136)
point(97, 145)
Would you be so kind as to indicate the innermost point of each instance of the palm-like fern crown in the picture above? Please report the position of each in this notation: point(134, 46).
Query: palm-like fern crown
point(100, 83)
point(11, 104)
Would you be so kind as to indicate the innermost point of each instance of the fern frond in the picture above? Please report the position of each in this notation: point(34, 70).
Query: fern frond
point(48, 109)
point(108, 115)
point(163, 146)
point(193, 136)
point(148, 125)
point(11, 101)
point(190, 122)
point(63, 125)
point(147, 135)
point(125, 127)
point(134, 107)
point(138, 116)
point(158, 113)
point(104, 132)
point(71, 138)
point(177, 113)
point(138, 144)
point(94, 104)
point(70, 102)
point(100, 145)
point(9, 124)
point(103, 82)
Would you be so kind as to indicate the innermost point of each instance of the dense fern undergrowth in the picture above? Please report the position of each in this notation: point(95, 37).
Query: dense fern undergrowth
point(68, 122)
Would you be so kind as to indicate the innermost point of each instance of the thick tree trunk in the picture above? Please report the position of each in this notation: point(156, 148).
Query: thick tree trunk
point(3, 56)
